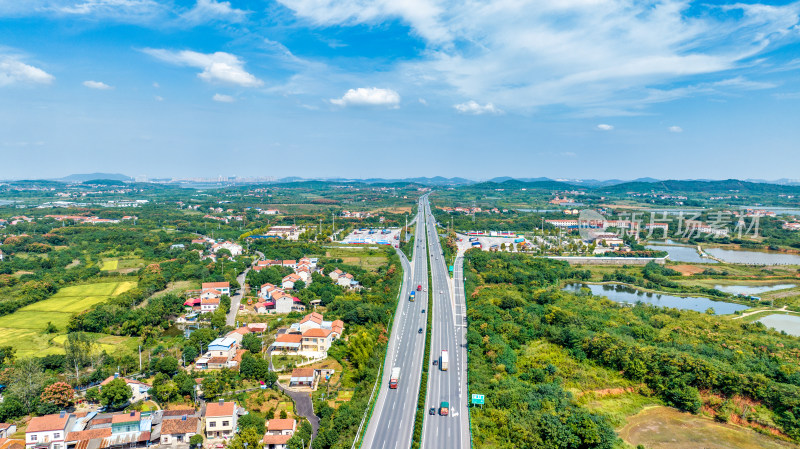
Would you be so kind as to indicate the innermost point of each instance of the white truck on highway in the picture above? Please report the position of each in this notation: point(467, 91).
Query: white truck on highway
point(394, 378)
point(445, 360)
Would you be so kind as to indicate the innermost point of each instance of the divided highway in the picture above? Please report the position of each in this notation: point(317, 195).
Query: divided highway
point(392, 422)
point(447, 333)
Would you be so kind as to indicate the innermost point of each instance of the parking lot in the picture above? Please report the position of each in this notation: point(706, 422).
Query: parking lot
point(380, 236)
point(486, 242)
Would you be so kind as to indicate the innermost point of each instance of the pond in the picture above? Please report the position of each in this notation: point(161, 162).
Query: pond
point(753, 257)
point(752, 290)
point(681, 253)
point(787, 323)
point(625, 294)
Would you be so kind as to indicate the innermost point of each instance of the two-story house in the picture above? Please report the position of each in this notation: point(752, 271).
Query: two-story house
point(223, 287)
point(317, 340)
point(221, 419)
point(48, 431)
point(7, 429)
point(279, 432)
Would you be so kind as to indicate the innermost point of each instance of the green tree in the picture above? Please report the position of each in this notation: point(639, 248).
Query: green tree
point(212, 387)
point(92, 394)
point(248, 435)
point(168, 365)
point(115, 394)
point(252, 420)
point(166, 391)
point(195, 440)
point(27, 381)
point(252, 343)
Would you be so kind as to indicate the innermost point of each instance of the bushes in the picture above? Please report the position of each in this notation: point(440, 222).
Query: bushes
point(675, 353)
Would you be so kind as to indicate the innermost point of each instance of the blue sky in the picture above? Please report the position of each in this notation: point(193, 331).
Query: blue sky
point(357, 88)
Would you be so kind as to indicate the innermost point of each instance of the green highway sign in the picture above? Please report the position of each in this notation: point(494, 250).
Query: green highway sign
point(477, 399)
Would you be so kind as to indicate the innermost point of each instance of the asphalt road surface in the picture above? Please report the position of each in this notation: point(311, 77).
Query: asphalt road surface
point(392, 422)
point(448, 333)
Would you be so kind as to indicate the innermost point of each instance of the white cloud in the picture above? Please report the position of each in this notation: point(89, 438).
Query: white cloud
point(368, 96)
point(159, 98)
point(675, 129)
point(605, 127)
point(156, 85)
point(97, 85)
point(423, 101)
point(211, 10)
point(581, 54)
point(131, 11)
point(13, 71)
point(217, 67)
point(223, 98)
point(474, 108)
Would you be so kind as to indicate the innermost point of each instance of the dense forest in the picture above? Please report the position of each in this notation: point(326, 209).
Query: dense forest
point(682, 358)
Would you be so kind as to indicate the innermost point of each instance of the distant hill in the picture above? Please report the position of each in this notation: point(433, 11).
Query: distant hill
point(95, 176)
point(725, 186)
point(435, 181)
point(104, 182)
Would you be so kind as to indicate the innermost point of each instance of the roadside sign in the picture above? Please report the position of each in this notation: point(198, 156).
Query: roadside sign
point(451, 268)
point(477, 399)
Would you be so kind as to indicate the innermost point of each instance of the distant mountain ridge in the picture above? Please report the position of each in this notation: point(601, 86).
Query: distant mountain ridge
point(638, 184)
point(95, 176)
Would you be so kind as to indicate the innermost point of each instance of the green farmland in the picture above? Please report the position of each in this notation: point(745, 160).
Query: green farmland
point(25, 328)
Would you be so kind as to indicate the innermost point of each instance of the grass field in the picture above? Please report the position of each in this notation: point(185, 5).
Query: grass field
point(109, 264)
point(363, 257)
point(667, 428)
point(125, 263)
point(24, 329)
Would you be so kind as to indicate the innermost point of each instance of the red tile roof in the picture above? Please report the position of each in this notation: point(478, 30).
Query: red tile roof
point(303, 372)
point(90, 434)
point(215, 409)
point(317, 333)
point(125, 417)
point(275, 425)
point(179, 426)
point(314, 316)
point(48, 422)
point(216, 285)
point(289, 338)
point(276, 439)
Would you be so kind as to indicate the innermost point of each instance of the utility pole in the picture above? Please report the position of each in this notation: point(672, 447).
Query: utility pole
point(140, 358)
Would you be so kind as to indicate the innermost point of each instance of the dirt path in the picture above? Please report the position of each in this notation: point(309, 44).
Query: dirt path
point(782, 309)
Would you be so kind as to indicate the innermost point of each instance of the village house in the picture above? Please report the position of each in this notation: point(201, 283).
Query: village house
point(289, 343)
point(209, 305)
point(179, 431)
point(224, 288)
point(234, 248)
point(221, 354)
point(48, 431)
point(221, 418)
point(317, 340)
point(289, 281)
point(279, 432)
point(303, 377)
point(7, 429)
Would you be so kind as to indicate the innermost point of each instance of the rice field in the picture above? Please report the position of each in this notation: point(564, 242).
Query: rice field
point(24, 329)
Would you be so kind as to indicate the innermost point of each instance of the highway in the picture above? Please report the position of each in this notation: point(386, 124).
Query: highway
point(447, 333)
point(392, 422)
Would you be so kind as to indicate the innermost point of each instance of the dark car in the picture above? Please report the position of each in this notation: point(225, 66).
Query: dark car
point(423, 310)
point(419, 331)
point(436, 362)
point(432, 411)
